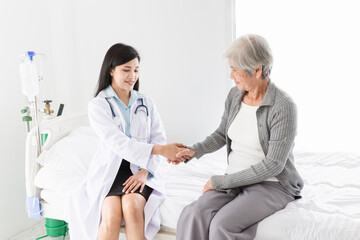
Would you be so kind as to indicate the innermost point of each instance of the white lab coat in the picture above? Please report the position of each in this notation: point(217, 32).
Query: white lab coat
point(84, 206)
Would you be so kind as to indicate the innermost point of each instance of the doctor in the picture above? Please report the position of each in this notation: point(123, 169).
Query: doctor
point(122, 185)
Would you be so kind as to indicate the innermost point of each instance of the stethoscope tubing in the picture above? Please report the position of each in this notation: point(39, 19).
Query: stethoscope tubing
point(142, 105)
point(136, 109)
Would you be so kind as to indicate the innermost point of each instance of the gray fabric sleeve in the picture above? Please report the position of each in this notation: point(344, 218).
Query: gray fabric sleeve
point(216, 140)
point(282, 135)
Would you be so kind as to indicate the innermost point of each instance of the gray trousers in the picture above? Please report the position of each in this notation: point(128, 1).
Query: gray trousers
point(220, 216)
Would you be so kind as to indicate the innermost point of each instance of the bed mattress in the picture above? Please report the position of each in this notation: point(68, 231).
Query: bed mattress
point(329, 207)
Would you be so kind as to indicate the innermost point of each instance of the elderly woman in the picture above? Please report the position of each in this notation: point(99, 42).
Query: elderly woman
point(258, 128)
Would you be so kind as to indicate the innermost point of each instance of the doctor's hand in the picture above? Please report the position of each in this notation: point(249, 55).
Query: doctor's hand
point(183, 155)
point(136, 181)
point(208, 186)
point(169, 151)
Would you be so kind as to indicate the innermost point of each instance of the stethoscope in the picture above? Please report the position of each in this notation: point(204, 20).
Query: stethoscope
point(142, 105)
point(117, 119)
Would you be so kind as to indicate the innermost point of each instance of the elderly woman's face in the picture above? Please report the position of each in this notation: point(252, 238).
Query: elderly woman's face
point(242, 80)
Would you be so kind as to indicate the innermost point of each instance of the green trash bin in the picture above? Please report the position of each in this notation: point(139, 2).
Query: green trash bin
point(55, 228)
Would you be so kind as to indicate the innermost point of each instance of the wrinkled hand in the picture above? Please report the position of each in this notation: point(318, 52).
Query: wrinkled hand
point(135, 181)
point(208, 186)
point(183, 155)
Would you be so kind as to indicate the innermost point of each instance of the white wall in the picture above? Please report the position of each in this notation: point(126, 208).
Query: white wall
point(316, 60)
point(180, 43)
point(22, 28)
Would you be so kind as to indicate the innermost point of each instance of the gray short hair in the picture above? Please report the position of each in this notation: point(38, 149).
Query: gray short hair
point(248, 52)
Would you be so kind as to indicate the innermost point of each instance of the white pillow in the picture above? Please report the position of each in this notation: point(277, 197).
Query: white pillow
point(67, 161)
point(73, 151)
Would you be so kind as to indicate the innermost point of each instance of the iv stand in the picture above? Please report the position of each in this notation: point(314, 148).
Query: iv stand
point(37, 130)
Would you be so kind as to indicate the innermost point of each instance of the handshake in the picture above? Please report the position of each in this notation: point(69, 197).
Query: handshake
point(174, 152)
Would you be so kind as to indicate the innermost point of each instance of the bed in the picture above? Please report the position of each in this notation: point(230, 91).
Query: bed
point(329, 209)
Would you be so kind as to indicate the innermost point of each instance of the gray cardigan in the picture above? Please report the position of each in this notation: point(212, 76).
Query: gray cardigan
point(277, 122)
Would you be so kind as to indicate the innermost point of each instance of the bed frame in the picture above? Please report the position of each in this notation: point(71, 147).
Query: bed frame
point(57, 128)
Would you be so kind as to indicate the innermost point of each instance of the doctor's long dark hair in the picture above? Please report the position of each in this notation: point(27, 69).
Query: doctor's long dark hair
point(117, 54)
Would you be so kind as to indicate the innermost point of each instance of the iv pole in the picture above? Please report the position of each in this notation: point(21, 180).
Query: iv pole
point(30, 87)
point(37, 129)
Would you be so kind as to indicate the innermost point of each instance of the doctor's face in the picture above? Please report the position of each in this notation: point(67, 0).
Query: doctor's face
point(125, 76)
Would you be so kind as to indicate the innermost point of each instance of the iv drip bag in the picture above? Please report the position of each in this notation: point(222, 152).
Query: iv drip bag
point(29, 77)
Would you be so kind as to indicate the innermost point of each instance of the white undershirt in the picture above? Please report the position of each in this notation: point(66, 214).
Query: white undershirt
point(245, 145)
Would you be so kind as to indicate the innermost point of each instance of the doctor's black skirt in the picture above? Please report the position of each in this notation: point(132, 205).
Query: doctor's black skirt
point(123, 174)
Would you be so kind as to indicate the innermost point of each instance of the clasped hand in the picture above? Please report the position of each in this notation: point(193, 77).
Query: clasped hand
point(177, 153)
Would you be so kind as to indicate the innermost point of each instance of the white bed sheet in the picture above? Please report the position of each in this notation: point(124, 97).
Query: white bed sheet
point(184, 183)
point(329, 209)
point(330, 203)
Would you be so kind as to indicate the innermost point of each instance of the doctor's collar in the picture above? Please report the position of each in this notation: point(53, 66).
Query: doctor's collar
point(110, 93)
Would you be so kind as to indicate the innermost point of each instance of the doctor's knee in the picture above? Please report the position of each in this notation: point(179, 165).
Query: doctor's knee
point(133, 204)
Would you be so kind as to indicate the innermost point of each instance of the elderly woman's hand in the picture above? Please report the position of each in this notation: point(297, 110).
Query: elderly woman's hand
point(183, 155)
point(208, 186)
point(169, 151)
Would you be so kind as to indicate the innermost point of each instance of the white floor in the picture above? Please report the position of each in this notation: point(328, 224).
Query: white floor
point(38, 230)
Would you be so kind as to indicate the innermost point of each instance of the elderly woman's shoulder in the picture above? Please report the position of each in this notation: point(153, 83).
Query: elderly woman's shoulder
point(282, 97)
